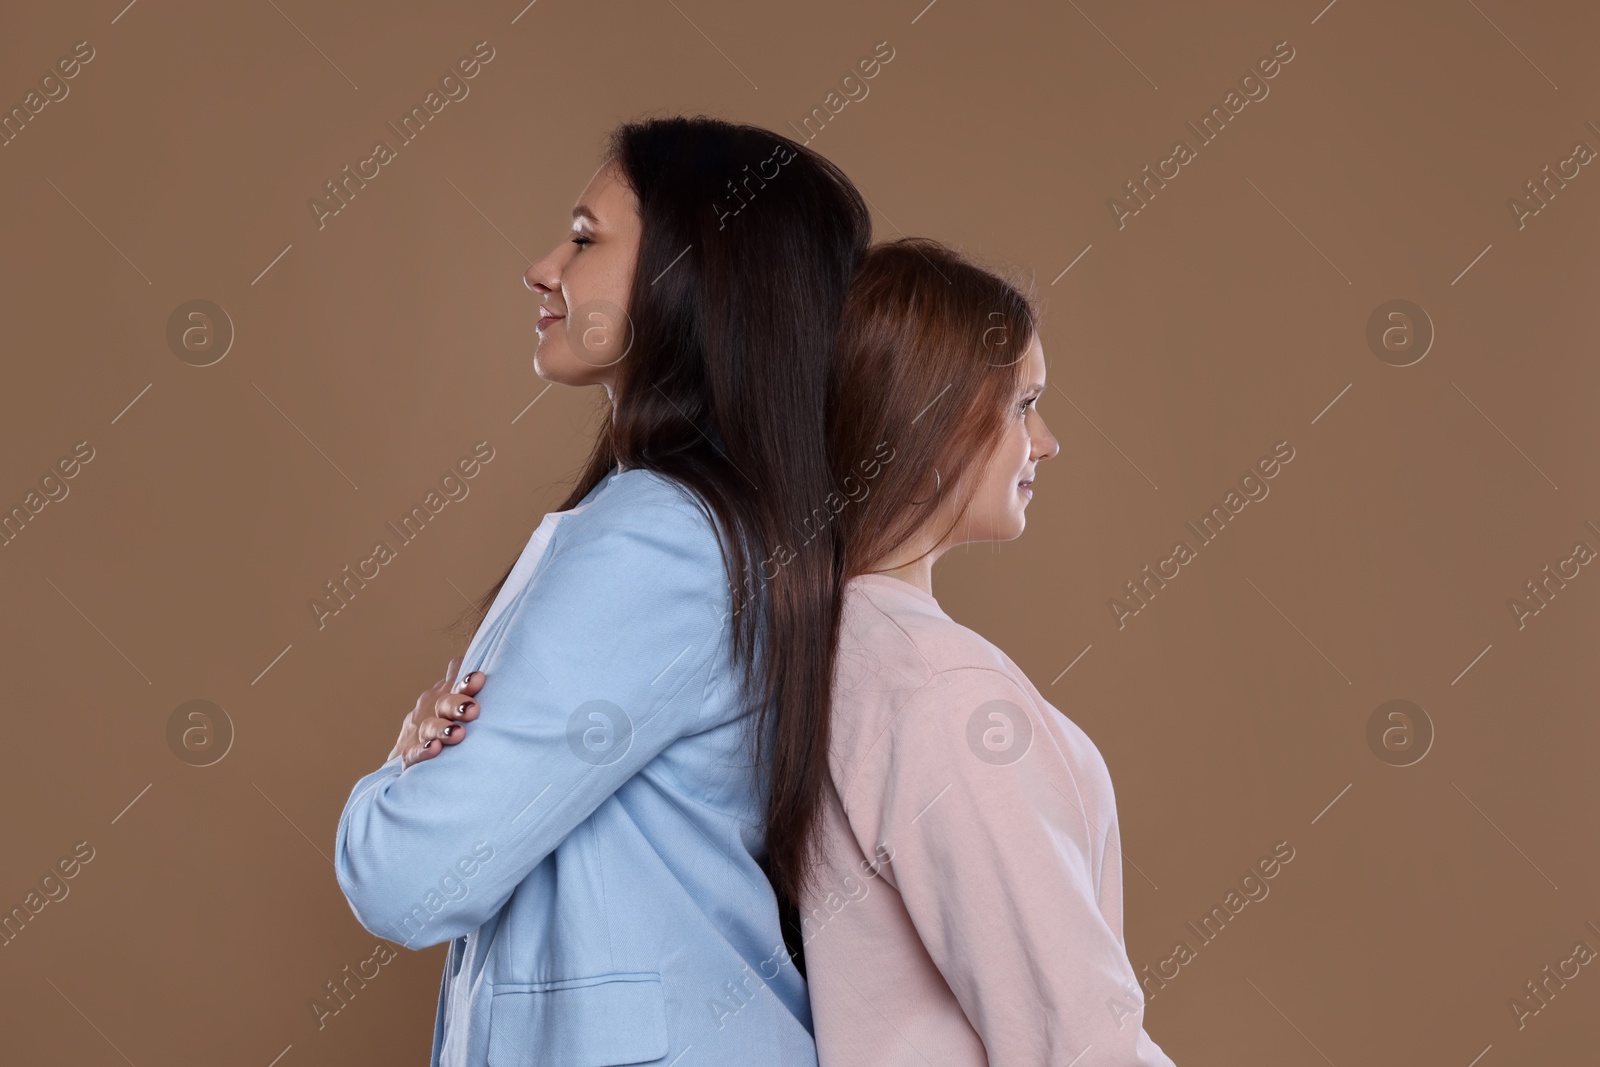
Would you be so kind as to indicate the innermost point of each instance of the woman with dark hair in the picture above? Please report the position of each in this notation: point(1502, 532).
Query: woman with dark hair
point(967, 908)
point(653, 665)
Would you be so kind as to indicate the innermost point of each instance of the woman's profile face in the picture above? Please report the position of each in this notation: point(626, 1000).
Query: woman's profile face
point(1000, 497)
point(586, 280)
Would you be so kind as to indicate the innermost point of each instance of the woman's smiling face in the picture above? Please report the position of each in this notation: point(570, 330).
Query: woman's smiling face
point(997, 510)
point(586, 281)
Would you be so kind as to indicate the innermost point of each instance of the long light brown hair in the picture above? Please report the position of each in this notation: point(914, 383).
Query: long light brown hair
point(928, 367)
point(930, 359)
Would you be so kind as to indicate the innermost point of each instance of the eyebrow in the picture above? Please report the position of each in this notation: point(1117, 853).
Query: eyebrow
point(582, 212)
point(1035, 387)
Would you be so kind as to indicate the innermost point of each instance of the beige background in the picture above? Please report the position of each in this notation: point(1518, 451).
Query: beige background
point(1228, 315)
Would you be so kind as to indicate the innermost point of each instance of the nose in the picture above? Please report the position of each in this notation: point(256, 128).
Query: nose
point(1045, 444)
point(532, 279)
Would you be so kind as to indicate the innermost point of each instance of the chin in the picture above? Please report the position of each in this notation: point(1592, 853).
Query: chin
point(1014, 528)
point(556, 366)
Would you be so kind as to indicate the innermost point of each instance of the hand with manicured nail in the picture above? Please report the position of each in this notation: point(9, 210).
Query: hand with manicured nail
point(438, 718)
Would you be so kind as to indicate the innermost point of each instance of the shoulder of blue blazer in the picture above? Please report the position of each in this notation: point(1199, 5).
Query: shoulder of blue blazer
point(653, 507)
point(627, 491)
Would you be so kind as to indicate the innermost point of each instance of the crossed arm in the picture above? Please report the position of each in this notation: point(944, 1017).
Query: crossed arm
point(600, 667)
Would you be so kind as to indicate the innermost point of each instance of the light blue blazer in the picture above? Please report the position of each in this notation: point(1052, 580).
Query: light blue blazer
point(589, 849)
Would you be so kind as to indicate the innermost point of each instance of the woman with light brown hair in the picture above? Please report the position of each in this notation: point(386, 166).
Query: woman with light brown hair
point(966, 908)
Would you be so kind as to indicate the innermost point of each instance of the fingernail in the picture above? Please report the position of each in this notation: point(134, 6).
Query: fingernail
point(448, 730)
point(463, 708)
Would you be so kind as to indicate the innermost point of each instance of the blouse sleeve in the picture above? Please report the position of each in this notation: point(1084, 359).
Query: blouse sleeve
point(985, 812)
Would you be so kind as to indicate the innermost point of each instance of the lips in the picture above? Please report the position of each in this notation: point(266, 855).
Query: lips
point(546, 317)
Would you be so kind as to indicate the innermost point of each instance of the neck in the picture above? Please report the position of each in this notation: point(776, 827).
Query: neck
point(917, 573)
point(914, 562)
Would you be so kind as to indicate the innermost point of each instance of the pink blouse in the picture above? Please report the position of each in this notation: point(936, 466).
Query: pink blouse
point(969, 907)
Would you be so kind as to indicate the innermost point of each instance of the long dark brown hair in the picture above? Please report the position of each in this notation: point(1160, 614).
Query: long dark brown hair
point(724, 389)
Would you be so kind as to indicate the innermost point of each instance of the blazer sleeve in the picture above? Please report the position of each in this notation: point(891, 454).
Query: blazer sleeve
point(602, 664)
point(996, 862)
